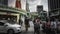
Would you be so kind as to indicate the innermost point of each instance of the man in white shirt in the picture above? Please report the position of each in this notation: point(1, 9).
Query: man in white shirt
point(53, 26)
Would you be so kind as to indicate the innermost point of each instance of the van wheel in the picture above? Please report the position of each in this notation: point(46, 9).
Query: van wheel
point(10, 32)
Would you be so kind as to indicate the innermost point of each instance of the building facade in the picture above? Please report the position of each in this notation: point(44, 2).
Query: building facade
point(4, 2)
point(54, 8)
point(53, 4)
point(39, 8)
point(18, 4)
point(7, 12)
point(43, 15)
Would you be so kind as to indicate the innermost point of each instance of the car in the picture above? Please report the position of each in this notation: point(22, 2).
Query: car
point(9, 28)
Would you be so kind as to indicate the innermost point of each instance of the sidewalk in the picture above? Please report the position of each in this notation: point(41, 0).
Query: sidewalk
point(31, 28)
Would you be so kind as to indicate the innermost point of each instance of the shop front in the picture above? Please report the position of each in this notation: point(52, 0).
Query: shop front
point(10, 16)
point(9, 13)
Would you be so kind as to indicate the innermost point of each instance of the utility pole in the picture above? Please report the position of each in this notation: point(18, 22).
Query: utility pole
point(27, 8)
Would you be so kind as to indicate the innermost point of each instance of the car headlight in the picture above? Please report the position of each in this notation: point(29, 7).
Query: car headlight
point(18, 28)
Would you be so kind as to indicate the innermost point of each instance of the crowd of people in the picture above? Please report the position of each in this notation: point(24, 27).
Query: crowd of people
point(50, 27)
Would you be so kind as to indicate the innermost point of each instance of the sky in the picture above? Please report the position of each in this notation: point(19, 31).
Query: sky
point(32, 4)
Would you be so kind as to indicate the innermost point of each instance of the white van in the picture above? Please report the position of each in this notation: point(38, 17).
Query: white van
point(9, 28)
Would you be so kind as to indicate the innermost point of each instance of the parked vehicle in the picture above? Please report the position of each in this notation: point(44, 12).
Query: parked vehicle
point(9, 28)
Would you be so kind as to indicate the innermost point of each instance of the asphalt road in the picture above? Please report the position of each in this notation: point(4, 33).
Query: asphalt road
point(24, 32)
point(28, 32)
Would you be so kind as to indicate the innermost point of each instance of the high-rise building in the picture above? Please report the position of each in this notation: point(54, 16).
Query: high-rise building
point(40, 8)
point(3, 2)
point(53, 4)
point(54, 8)
point(42, 14)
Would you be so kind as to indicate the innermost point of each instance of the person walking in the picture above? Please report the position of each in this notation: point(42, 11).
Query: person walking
point(43, 27)
point(27, 23)
point(53, 26)
point(36, 25)
point(48, 27)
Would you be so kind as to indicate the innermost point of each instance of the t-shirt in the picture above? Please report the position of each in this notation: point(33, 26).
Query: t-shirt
point(53, 25)
point(41, 27)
